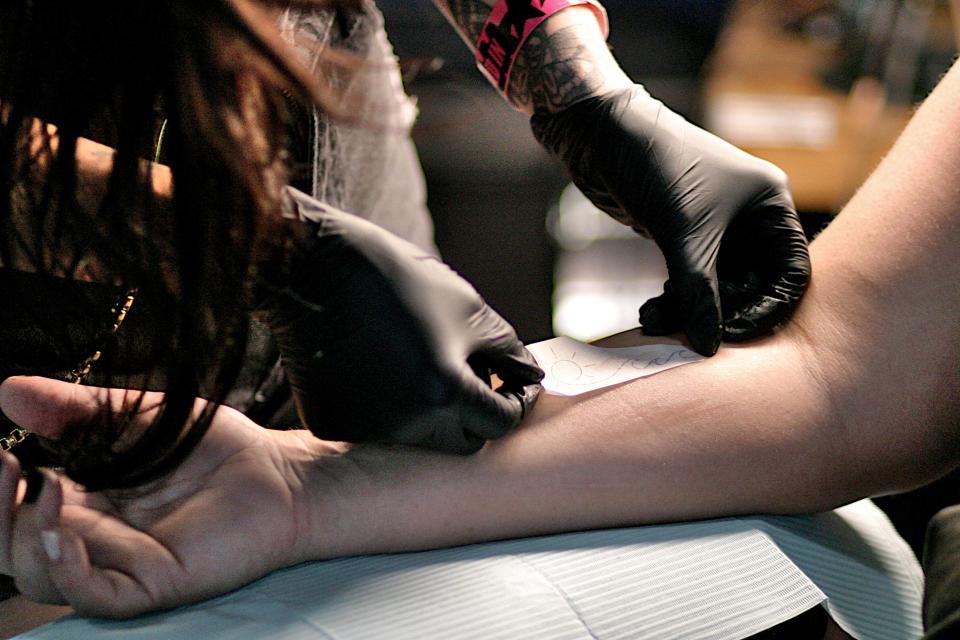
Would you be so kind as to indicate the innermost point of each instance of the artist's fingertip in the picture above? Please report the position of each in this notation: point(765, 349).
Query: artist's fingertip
point(518, 369)
point(705, 337)
point(704, 329)
point(50, 539)
point(706, 347)
point(535, 371)
point(534, 375)
point(526, 369)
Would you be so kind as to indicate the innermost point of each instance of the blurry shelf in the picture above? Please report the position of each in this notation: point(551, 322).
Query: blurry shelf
point(757, 60)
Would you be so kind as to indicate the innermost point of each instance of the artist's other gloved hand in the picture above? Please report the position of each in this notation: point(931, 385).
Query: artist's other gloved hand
point(736, 253)
point(383, 342)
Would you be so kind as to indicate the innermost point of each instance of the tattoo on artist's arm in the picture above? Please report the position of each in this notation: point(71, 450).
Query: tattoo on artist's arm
point(468, 16)
point(554, 69)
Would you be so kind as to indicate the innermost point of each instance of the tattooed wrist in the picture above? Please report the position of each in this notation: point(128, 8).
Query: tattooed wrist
point(468, 16)
point(554, 71)
point(562, 62)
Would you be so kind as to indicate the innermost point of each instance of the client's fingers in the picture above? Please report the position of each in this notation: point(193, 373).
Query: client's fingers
point(103, 567)
point(9, 486)
point(39, 512)
point(46, 407)
point(91, 590)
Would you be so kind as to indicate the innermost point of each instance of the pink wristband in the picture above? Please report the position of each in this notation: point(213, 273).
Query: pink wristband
point(510, 24)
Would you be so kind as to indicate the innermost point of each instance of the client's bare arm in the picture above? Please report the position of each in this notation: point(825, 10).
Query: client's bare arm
point(860, 395)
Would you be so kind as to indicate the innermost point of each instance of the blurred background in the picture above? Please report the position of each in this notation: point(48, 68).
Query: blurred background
point(821, 88)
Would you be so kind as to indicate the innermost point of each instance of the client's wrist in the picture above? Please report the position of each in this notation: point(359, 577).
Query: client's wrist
point(315, 473)
point(370, 498)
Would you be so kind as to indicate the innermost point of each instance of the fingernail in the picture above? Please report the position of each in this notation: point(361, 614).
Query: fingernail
point(518, 395)
point(51, 544)
point(34, 486)
point(531, 394)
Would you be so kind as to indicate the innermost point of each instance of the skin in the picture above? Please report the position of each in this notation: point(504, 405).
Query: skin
point(859, 396)
point(94, 164)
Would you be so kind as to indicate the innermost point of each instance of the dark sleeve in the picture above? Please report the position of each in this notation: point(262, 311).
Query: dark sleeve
point(941, 565)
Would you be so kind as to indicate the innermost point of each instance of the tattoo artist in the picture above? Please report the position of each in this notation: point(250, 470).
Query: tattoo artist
point(725, 221)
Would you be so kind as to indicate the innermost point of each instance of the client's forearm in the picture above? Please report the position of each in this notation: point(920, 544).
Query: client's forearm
point(858, 396)
point(702, 440)
point(749, 431)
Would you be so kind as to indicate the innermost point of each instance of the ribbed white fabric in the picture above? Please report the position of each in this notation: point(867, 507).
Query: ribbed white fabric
point(722, 580)
point(871, 578)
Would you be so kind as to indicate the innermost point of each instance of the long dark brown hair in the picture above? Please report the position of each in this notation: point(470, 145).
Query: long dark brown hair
point(212, 80)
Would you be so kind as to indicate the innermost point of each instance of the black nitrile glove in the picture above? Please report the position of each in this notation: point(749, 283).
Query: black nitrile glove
point(383, 342)
point(736, 253)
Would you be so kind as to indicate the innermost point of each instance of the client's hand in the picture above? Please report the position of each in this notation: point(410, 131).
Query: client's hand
point(226, 516)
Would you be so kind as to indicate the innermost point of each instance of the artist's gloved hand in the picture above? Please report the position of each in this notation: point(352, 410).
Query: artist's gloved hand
point(383, 342)
point(725, 221)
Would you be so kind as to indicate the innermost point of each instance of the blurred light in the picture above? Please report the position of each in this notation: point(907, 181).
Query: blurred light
point(774, 121)
point(592, 314)
point(598, 290)
point(575, 224)
point(604, 270)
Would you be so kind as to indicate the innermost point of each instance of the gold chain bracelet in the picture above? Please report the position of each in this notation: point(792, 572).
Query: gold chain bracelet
point(78, 374)
point(16, 436)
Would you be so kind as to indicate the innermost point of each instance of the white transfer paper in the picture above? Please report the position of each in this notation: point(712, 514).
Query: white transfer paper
point(574, 367)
